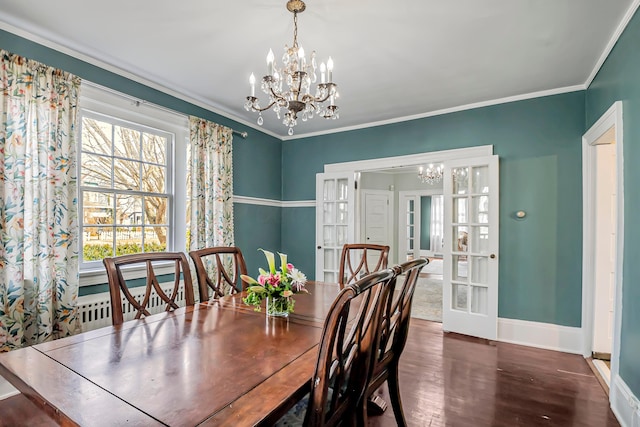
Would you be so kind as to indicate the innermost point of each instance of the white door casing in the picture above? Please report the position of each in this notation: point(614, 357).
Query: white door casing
point(470, 286)
point(613, 117)
point(335, 196)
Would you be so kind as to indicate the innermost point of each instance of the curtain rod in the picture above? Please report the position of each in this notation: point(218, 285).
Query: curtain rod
point(138, 102)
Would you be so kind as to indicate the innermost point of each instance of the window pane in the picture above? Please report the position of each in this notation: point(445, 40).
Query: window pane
point(459, 268)
point(155, 239)
point(96, 171)
point(126, 143)
point(343, 186)
point(97, 243)
point(460, 180)
point(479, 300)
point(330, 259)
point(154, 178)
point(154, 148)
point(460, 209)
point(155, 210)
point(126, 175)
point(128, 240)
point(97, 208)
point(343, 212)
point(459, 297)
point(128, 209)
point(329, 190)
point(328, 215)
point(96, 136)
point(481, 179)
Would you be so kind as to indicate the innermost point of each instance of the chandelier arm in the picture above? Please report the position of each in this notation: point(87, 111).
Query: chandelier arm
point(263, 109)
point(276, 96)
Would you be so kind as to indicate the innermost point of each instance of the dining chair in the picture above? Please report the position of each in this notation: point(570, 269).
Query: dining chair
point(356, 261)
point(151, 261)
point(219, 269)
point(392, 334)
point(345, 356)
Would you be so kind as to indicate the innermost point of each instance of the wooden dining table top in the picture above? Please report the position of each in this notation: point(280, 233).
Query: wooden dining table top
point(216, 363)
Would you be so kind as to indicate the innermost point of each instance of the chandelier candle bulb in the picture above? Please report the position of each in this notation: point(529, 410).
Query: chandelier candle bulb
point(270, 58)
point(252, 82)
point(301, 59)
point(330, 69)
point(323, 71)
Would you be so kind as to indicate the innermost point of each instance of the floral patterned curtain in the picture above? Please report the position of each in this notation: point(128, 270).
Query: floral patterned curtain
point(211, 185)
point(38, 202)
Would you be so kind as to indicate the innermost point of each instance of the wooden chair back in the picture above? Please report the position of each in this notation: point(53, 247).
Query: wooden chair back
point(393, 331)
point(345, 353)
point(218, 269)
point(355, 261)
point(118, 285)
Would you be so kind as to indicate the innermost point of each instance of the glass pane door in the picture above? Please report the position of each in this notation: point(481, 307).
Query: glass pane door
point(334, 222)
point(471, 265)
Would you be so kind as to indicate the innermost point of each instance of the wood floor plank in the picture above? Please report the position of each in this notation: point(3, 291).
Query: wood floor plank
point(449, 380)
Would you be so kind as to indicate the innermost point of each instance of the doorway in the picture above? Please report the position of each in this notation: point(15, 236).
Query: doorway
point(470, 294)
point(603, 213)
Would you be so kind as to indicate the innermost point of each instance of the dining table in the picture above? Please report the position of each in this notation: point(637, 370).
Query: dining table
point(216, 363)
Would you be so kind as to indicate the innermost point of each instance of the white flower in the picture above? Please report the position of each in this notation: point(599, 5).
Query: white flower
point(297, 277)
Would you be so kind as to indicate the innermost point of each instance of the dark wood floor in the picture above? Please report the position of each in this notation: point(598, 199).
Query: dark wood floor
point(450, 380)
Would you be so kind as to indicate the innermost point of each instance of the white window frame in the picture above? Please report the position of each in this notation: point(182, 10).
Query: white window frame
point(101, 101)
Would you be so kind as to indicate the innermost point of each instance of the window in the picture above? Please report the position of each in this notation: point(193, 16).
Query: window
point(131, 178)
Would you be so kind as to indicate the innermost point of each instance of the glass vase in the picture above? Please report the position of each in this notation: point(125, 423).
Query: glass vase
point(278, 306)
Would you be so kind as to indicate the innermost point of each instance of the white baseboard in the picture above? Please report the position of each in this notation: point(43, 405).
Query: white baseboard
point(624, 404)
point(541, 335)
point(6, 389)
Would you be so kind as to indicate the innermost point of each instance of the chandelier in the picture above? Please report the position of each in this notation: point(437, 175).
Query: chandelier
point(288, 88)
point(431, 175)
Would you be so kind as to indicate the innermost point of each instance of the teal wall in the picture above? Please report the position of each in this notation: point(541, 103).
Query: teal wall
point(539, 144)
point(425, 222)
point(619, 80)
point(248, 178)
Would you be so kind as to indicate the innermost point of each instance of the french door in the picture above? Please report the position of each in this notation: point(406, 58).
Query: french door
point(470, 287)
point(334, 221)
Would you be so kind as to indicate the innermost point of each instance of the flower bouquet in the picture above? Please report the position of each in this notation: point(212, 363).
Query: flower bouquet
point(277, 286)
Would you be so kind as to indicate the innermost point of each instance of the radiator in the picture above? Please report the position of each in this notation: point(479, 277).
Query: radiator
point(94, 310)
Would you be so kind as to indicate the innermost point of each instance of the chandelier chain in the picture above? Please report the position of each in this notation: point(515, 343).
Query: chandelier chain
point(295, 29)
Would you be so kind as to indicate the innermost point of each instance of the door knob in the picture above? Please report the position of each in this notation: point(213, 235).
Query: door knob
point(319, 247)
point(492, 256)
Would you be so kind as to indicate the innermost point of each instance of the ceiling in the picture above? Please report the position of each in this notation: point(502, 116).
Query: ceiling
point(394, 60)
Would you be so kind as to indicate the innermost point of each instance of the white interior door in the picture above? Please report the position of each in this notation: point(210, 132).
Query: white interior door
point(470, 287)
point(605, 248)
point(334, 221)
point(376, 219)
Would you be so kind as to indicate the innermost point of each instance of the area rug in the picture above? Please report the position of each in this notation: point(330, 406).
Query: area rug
point(427, 300)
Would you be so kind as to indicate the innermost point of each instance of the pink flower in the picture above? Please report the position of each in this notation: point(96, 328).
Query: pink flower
point(289, 267)
point(262, 280)
point(273, 279)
